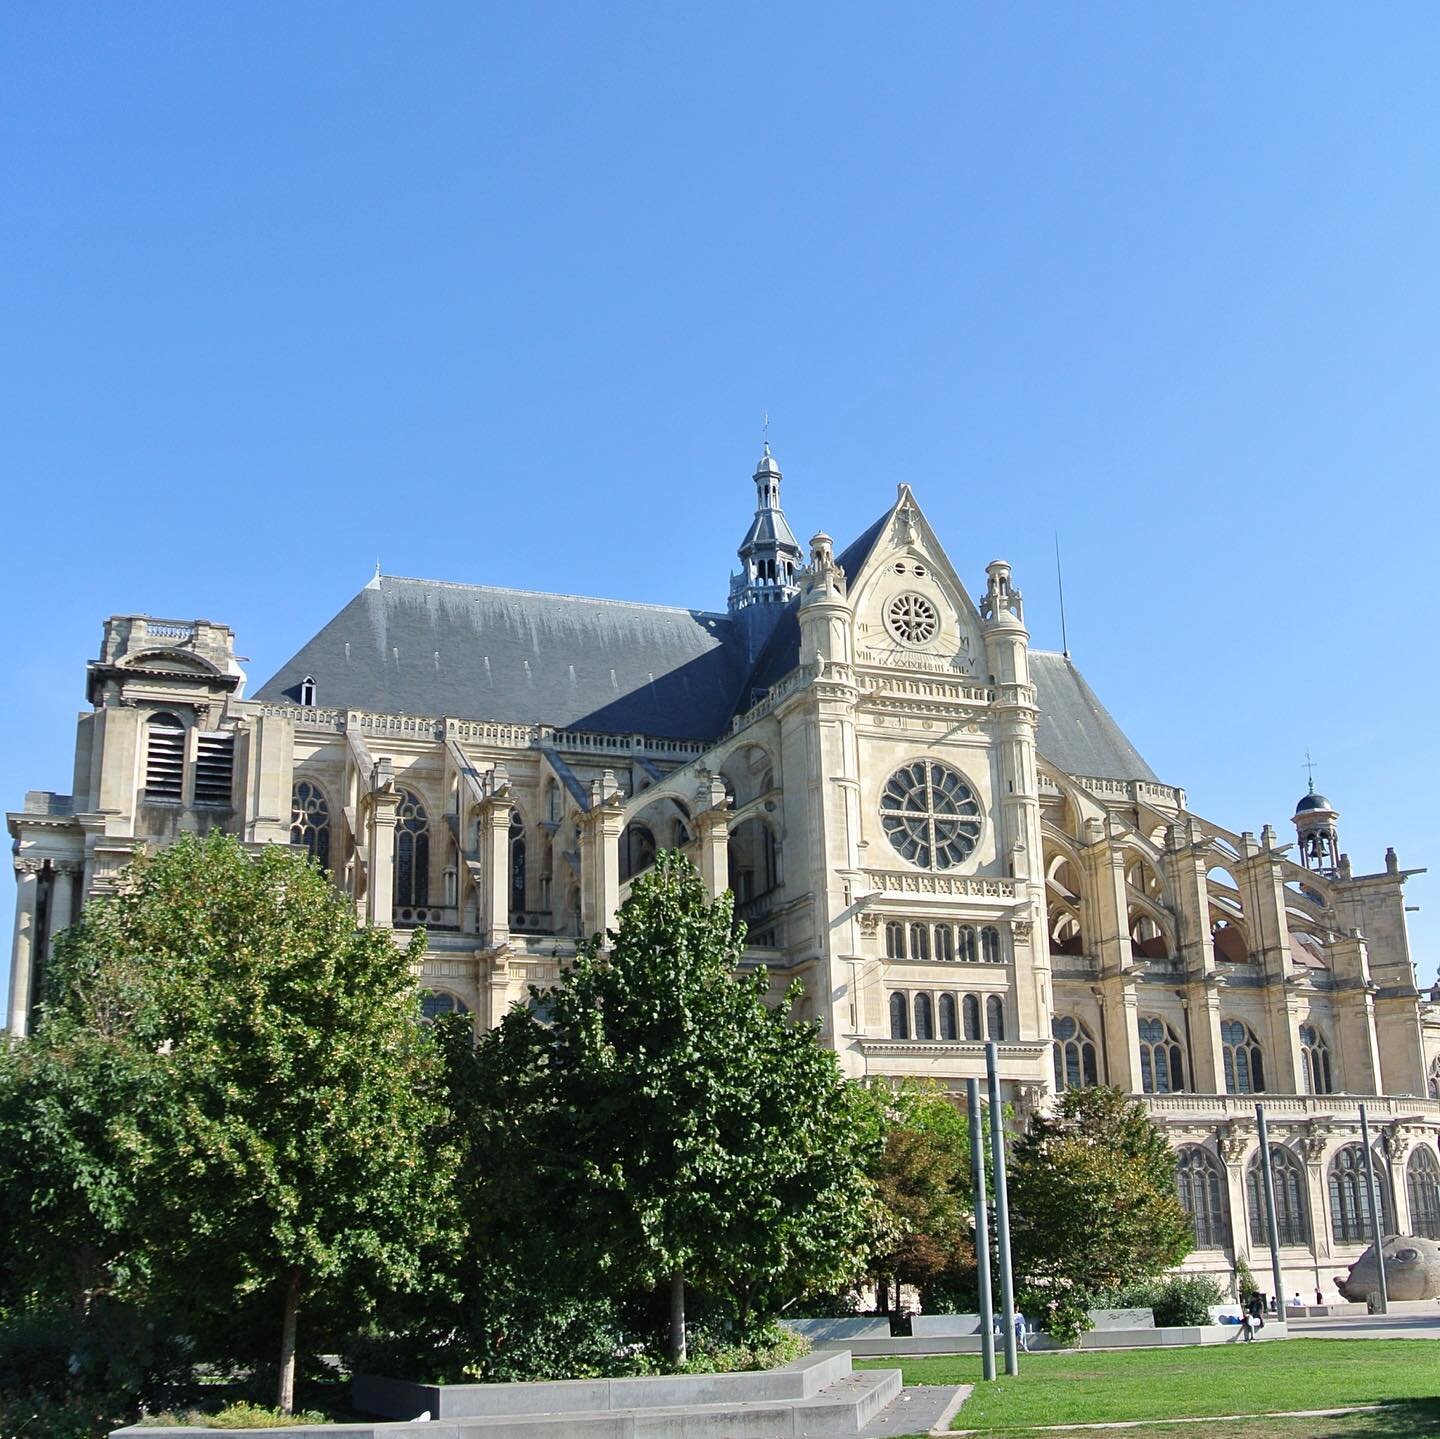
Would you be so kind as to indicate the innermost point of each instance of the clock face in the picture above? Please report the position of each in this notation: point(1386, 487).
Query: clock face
point(912, 619)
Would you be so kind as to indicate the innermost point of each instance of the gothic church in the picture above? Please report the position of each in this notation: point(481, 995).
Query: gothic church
point(939, 829)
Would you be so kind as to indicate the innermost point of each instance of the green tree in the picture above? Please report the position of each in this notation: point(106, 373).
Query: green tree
point(689, 1132)
point(232, 1079)
point(1092, 1196)
point(922, 1177)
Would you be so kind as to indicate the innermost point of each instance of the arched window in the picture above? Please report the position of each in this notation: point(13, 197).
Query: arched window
point(552, 802)
point(944, 942)
point(919, 943)
point(637, 850)
point(894, 939)
point(924, 1017)
point(1244, 1063)
point(1422, 1184)
point(164, 758)
point(1435, 1079)
point(899, 1016)
point(1350, 1207)
point(437, 1002)
point(994, 1017)
point(412, 852)
point(1315, 1056)
point(1291, 1217)
point(517, 861)
point(965, 944)
point(1076, 1061)
point(970, 1012)
point(1162, 1059)
point(310, 822)
point(949, 1024)
point(1201, 1184)
point(307, 692)
point(990, 945)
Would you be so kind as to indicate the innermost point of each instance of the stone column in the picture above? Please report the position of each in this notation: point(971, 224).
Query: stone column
point(1234, 1145)
point(380, 871)
point(712, 832)
point(1397, 1152)
point(1313, 1144)
point(494, 839)
point(600, 829)
point(62, 899)
point(27, 883)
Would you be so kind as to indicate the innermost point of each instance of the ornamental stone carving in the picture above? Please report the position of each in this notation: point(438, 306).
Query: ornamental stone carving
point(1398, 1143)
point(869, 924)
point(1233, 1142)
point(1313, 1141)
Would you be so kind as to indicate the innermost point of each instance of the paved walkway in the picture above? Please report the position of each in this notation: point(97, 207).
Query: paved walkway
point(1368, 1326)
point(920, 1409)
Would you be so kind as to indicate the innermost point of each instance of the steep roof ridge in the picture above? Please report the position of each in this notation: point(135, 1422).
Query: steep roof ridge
point(553, 595)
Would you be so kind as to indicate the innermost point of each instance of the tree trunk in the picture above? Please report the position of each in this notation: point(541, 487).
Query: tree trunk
point(286, 1401)
point(677, 1317)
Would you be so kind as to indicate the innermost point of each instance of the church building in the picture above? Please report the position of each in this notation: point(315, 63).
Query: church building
point(939, 829)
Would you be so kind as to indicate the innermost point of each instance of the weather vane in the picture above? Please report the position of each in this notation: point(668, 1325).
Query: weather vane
point(765, 429)
point(1310, 768)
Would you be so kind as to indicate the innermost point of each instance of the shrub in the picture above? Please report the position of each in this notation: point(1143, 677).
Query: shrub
point(235, 1416)
point(768, 1348)
point(1177, 1299)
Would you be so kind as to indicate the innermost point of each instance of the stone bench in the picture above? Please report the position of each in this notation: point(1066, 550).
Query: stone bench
point(840, 1328)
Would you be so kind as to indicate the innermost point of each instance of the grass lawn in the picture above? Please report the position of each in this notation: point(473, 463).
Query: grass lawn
point(1091, 1388)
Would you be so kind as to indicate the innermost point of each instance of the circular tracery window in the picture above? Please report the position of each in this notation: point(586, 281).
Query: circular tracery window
point(912, 619)
point(930, 814)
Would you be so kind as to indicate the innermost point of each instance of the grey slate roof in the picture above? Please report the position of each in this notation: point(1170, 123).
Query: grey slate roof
point(1076, 731)
point(425, 647)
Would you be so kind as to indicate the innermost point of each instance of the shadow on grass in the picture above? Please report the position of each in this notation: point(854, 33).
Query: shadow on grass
point(1404, 1419)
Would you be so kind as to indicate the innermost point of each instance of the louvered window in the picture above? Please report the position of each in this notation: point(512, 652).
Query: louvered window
point(164, 758)
point(214, 769)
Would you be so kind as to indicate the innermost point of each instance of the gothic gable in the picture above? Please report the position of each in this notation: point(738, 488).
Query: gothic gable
point(911, 609)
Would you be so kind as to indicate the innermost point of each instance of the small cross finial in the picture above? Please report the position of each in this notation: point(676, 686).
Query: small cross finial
point(765, 429)
point(1310, 766)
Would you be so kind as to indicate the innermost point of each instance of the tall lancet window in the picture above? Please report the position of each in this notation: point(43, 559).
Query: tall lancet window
point(310, 822)
point(412, 852)
point(517, 862)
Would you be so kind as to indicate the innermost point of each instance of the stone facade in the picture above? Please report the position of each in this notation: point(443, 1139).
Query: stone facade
point(939, 830)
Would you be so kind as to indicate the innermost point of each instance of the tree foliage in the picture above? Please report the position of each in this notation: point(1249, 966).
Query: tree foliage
point(683, 1129)
point(922, 1177)
point(228, 1101)
point(1092, 1196)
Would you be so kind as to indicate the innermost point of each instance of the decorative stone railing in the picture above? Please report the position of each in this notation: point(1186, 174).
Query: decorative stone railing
point(893, 881)
point(1292, 1107)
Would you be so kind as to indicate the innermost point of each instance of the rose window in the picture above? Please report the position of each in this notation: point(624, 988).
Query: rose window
point(930, 814)
point(912, 619)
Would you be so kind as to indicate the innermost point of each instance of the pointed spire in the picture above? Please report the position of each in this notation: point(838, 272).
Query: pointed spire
point(770, 555)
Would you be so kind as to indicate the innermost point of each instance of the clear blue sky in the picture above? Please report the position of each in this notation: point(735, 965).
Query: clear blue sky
point(498, 294)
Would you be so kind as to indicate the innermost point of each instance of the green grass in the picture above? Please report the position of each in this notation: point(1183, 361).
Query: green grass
point(1093, 1388)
